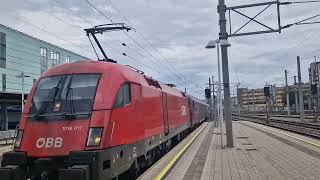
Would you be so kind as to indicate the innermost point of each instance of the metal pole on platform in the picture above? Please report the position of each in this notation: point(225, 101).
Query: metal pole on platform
point(223, 36)
point(22, 76)
point(213, 101)
point(296, 94)
point(301, 104)
point(268, 109)
point(239, 105)
point(248, 103)
point(220, 108)
point(210, 101)
point(287, 92)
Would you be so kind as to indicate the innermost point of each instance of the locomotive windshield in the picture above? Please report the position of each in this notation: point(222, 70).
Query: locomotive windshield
point(65, 96)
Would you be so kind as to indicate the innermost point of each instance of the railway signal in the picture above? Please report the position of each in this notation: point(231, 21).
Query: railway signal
point(208, 93)
point(313, 89)
point(266, 90)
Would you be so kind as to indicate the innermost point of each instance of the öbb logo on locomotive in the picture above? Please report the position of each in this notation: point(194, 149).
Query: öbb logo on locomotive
point(49, 142)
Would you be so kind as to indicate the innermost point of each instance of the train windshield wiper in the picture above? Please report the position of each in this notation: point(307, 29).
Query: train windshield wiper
point(71, 116)
point(51, 97)
point(69, 97)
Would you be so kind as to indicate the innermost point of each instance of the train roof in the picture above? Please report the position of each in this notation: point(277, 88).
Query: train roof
point(196, 99)
point(130, 73)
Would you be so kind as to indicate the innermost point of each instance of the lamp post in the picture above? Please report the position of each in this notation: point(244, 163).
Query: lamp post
point(22, 76)
point(211, 45)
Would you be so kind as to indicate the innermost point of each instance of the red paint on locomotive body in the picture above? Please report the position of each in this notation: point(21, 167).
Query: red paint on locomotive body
point(138, 120)
point(135, 113)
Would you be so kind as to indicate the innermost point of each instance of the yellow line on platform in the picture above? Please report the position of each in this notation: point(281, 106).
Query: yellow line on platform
point(177, 156)
point(297, 138)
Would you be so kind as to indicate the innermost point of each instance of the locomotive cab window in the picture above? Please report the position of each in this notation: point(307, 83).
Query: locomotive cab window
point(123, 96)
point(62, 96)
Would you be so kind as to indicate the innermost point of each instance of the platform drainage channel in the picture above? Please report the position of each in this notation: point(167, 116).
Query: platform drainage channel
point(288, 142)
point(242, 137)
point(195, 169)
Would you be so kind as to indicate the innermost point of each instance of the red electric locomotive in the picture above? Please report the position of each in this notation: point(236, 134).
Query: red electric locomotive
point(94, 120)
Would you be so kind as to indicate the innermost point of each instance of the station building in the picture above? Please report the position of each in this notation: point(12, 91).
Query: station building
point(254, 100)
point(22, 60)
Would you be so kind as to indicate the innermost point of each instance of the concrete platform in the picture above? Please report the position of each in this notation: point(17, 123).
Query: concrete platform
point(260, 153)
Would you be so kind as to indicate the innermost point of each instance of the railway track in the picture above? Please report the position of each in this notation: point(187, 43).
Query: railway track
point(309, 129)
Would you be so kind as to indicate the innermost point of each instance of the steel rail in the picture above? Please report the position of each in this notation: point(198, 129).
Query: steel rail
point(312, 130)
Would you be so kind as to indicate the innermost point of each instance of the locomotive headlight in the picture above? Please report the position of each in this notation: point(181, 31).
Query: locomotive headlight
point(94, 137)
point(18, 139)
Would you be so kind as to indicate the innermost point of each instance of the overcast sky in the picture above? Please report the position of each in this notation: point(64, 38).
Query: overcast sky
point(179, 30)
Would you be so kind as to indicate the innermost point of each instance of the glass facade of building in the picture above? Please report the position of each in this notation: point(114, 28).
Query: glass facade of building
point(20, 52)
point(27, 56)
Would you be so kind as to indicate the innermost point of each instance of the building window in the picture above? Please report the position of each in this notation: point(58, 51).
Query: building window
point(55, 57)
point(3, 50)
point(4, 83)
point(67, 59)
point(52, 58)
point(44, 59)
point(51, 54)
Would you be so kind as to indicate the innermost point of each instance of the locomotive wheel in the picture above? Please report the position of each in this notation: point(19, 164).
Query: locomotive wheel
point(134, 170)
point(44, 175)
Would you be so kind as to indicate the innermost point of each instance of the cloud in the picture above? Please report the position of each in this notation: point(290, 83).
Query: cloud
point(179, 30)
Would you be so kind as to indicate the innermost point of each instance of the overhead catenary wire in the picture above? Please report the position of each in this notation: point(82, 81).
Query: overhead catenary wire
point(302, 22)
point(99, 11)
point(306, 19)
point(51, 14)
point(52, 34)
point(30, 43)
point(135, 41)
point(144, 38)
point(306, 23)
point(303, 2)
point(78, 26)
point(81, 17)
point(148, 42)
point(138, 44)
point(94, 7)
point(135, 60)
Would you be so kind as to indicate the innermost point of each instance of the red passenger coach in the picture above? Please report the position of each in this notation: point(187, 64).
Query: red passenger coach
point(93, 120)
point(198, 110)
